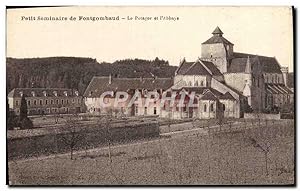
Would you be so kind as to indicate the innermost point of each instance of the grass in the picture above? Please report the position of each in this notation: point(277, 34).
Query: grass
point(221, 157)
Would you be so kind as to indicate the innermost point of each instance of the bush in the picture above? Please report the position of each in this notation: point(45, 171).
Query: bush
point(26, 123)
point(12, 121)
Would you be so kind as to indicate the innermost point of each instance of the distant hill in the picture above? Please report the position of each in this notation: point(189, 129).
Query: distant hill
point(76, 72)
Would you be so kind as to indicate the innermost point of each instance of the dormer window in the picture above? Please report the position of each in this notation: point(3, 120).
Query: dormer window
point(45, 93)
point(33, 94)
point(65, 93)
point(21, 93)
point(76, 93)
point(55, 93)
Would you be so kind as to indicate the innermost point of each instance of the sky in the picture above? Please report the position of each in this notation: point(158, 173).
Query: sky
point(264, 31)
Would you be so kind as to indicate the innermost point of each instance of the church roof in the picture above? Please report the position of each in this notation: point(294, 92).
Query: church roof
point(209, 96)
point(217, 31)
point(197, 68)
point(239, 62)
point(200, 90)
point(98, 85)
point(217, 38)
point(214, 70)
point(238, 65)
point(227, 96)
point(278, 89)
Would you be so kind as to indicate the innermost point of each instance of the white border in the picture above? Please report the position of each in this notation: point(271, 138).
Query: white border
point(5, 3)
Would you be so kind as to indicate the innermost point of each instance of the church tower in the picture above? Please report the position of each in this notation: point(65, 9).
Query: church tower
point(218, 50)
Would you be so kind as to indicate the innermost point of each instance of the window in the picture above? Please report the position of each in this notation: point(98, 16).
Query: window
point(204, 108)
point(145, 112)
point(41, 102)
point(136, 110)
point(52, 101)
point(196, 83)
point(190, 83)
point(154, 110)
point(17, 102)
point(57, 101)
point(73, 100)
point(34, 102)
point(46, 102)
point(67, 101)
point(202, 83)
point(62, 101)
point(28, 102)
point(212, 107)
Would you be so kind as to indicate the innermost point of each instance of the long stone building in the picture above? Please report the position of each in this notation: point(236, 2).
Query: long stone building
point(44, 101)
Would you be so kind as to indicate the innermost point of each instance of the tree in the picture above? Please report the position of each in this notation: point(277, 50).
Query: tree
point(23, 109)
point(73, 135)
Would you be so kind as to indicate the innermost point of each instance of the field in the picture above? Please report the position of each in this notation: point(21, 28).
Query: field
point(234, 153)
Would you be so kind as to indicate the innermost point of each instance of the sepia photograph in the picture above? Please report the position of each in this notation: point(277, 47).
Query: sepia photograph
point(150, 96)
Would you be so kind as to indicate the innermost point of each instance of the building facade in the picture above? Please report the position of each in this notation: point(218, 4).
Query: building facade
point(221, 83)
point(45, 101)
point(260, 78)
point(132, 86)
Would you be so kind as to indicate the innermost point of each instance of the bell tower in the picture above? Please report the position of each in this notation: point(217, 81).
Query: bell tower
point(218, 50)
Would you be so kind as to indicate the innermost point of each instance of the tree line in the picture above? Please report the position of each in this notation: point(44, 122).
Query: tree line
point(77, 72)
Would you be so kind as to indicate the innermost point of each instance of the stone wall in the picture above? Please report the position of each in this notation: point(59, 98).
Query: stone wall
point(51, 143)
point(261, 116)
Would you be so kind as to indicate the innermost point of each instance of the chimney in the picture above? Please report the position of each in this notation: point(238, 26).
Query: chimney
point(284, 71)
point(109, 79)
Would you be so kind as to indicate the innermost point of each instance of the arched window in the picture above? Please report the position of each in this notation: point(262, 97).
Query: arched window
point(204, 108)
point(201, 83)
point(212, 107)
point(196, 83)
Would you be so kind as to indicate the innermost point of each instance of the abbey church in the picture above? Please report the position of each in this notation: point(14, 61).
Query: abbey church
point(225, 83)
point(254, 82)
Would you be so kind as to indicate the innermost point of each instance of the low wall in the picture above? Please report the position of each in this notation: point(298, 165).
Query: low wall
point(261, 116)
point(51, 143)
